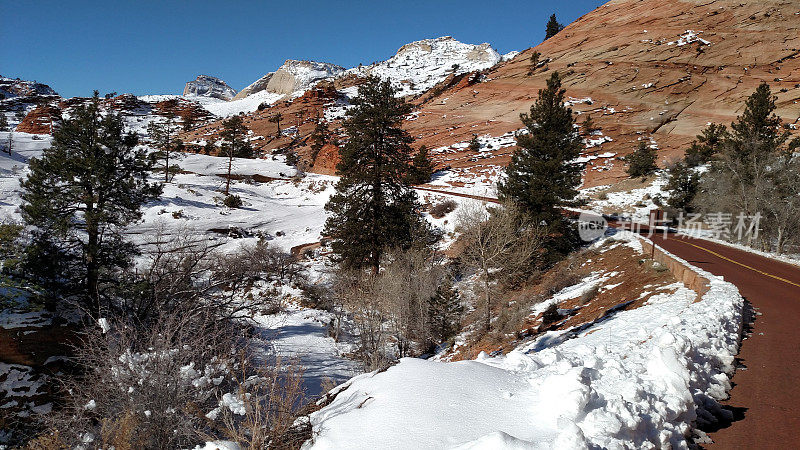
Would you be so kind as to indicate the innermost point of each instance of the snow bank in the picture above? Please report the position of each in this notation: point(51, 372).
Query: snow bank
point(639, 379)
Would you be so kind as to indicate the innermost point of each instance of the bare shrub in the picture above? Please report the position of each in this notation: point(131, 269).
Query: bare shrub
point(179, 382)
point(444, 208)
point(498, 242)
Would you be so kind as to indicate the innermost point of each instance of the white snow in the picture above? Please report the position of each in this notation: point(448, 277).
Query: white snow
point(634, 380)
point(420, 65)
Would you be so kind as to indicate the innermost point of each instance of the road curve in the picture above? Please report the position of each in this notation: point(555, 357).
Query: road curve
point(765, 398)
point(766, 395)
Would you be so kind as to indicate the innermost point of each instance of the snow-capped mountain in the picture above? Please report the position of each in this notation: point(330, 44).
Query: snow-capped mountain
point(208, 86)
point(14, 87)
point(420, 65)
point(292, 76)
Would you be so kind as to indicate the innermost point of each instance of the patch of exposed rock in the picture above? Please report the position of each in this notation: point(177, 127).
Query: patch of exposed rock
point(208, 86)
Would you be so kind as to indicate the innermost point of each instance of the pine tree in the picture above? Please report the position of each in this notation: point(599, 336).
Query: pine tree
point(421, 167)
point(3, 122)
point(588, 126)
point(163, 134)
point(210, 147)
point(642, 161)
point(235, 145)
point(682, 185)
point(319, 137)
point(706, 146)
point(534, 62)
point(444, 313)
point(80, 195)
point(542, 177)
point(553, 27)
point(373, 208)
point(188, 122)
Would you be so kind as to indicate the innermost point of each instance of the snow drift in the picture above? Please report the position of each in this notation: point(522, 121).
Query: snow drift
point(638, 379)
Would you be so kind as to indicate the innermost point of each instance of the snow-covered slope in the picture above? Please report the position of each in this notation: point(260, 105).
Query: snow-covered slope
point(14, 87)
point(634, 380)
point(208, 86)
point(420, 65)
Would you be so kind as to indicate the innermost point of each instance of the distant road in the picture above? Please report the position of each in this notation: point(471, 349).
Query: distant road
point(765, 398)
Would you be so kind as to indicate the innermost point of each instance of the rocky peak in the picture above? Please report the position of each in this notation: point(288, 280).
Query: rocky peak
point(292, 76)
point(14, 87)
point(208, 86)
point(420, 65)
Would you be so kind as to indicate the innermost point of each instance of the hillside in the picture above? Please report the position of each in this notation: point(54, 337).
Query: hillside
point(635, 67)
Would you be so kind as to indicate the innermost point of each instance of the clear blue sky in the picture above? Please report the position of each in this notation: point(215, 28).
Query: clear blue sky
point(153, 47)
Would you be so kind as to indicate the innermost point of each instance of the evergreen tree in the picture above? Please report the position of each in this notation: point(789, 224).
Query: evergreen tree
point(642, 161)
point(682, 185)
point(553, 27)
point(319, 137)
point(163, 135)
point(3, 122)
point(210, 147)
point(542, 176)
point(80, 195)
point(444, 312)
point(188, 122)
point(706, 146)
point(534, 62)
point(588, 126)
point(276, 119)
point(474, 144)
point(373, 208)
point(235, 144)
point(421, 167)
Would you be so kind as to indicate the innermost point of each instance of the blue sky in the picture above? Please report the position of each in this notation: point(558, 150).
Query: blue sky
point(155, 47)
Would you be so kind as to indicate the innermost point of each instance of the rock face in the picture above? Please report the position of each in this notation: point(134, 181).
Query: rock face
point(292, 76)
point(420, 65)
point(208, 86)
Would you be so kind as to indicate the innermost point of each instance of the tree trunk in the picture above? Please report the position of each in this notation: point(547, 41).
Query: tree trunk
point(92, 266)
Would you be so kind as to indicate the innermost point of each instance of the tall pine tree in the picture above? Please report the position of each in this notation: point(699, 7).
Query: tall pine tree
point(373, 208)
point(80, 195)
point(542, 176)
point(319, 137)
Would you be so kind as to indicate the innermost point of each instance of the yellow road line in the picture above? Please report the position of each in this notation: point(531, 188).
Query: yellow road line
point(738, 263)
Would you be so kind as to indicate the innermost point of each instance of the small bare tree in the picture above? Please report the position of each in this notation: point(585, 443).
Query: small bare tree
point(496, 240)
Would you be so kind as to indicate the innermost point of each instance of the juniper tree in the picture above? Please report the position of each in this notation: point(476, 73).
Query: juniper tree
point(553, 27)
point(474, 144)
point(80, 194)
point(421, 167)
point(373, 208)
point(542, 176)
point(164, 134)
point(235, 144)
point(642, 161)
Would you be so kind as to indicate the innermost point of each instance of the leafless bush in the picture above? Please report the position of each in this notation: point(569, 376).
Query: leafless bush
point(184, 273)
point(498, 242)
point(442, 209)
point(182, 381)
point(394, 311)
